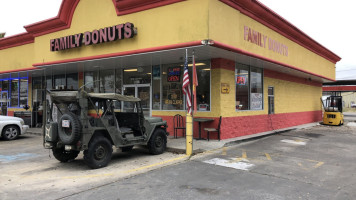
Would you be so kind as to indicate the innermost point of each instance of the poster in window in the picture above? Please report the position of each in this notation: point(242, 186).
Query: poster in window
point(241, 79)
point(173, 74)
point(256, 101)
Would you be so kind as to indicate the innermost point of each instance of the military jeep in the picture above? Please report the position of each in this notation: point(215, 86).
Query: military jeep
point(77, 121)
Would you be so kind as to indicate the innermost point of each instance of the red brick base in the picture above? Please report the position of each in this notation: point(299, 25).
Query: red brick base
point(232, 127)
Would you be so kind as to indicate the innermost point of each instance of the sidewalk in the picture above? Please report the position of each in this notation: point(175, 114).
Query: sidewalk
point(178, 145)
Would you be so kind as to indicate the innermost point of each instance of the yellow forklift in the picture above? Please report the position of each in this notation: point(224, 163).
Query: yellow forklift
point(333, 111)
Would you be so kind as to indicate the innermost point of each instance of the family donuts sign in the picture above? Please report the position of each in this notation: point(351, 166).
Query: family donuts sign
point(108, 34)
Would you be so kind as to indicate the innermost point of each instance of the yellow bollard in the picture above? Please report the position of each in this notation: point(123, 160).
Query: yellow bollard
point(189, 134)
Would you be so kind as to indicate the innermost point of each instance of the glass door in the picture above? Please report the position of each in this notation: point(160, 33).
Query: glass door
point(141, 91)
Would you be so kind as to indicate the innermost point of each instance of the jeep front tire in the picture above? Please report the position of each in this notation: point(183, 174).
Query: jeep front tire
point(158, 142)
point(99, 152)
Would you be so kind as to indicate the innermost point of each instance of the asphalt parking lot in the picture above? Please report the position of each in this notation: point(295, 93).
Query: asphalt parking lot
point(312, 163)
point(28, 171)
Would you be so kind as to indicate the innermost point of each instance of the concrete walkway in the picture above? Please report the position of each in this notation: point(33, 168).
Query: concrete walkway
point(179, 145)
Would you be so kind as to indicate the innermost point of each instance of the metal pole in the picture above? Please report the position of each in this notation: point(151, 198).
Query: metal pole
point(189, 127)
point(189, 134)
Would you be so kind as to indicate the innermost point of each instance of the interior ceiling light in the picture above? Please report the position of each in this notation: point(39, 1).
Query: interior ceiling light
point(130, 70)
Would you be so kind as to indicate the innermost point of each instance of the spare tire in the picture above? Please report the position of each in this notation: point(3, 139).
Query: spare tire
point(71, 134)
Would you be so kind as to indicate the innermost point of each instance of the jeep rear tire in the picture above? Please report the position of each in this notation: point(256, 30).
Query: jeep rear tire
point(72, 134)
point(99, 152)
point(158, 142)
point(64, 156)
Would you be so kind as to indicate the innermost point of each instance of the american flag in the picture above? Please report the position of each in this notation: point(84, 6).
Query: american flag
point(186, 87)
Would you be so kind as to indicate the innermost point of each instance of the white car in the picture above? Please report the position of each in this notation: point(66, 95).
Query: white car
point(12, 127)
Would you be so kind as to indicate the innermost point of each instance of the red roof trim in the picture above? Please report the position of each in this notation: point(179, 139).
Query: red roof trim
point(267, 17)
point(124, 7)
point(138, 51)
point(338, 88)
point(237, 50)
point(16, 40)
point(62, 21)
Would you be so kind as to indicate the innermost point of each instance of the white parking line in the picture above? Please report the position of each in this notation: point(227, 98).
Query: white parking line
point(227, 163)
point(297, 142)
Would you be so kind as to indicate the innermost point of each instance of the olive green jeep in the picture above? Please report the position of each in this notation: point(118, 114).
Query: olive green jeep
point(77, 121)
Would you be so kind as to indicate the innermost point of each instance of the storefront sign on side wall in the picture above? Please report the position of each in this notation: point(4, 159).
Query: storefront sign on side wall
point(264, 41)
point(108, 34)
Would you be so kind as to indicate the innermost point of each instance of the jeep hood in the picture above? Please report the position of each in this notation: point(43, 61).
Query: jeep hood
point(154, 119)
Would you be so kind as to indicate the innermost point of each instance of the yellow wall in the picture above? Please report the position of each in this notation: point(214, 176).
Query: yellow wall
point(17, 57)
point(289, 96)
point(293, 97)
point(226, 25)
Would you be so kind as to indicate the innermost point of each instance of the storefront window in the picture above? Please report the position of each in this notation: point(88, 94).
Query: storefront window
point(91, 81)
point(5, 85)
point(156, 87)
point(72, 81)
point(59, 82)
point(172, 95)
point(171, 81)
point(23, 92)
point(107, 81)
point(256, 89)
point(118, 81)
point(49, 83)
point(14, 93)
point(249, 90)
point(138, 75)
point(203, 88)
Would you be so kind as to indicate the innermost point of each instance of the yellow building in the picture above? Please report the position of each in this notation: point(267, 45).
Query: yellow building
point(254, 68)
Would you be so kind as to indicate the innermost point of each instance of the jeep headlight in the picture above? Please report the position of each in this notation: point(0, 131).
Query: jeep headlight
point(22, 122)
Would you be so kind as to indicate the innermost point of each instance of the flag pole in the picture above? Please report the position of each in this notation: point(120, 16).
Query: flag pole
point(189, 125)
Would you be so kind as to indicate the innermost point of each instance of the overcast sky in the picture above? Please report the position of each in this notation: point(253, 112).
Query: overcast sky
point(329, 22)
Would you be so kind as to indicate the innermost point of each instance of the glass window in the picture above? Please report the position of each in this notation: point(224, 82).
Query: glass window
point(14, 93)
point(107, 81)
point(5, 85)
point(242, 87)
point(172, 95)
point(167, 86)
point(118, 81)
point(138, 75)
point(49, 85)
point(59, 82)
point(249, 87)
point(256, 89)
point(91, 81)
point(72, 81)
point(156, 87)
point(23, 92)
point(203, 88)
